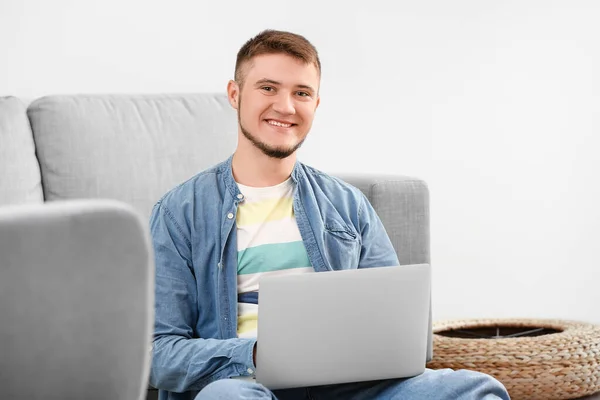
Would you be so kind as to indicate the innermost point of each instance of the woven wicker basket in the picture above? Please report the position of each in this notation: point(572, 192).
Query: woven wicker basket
point(563, 365)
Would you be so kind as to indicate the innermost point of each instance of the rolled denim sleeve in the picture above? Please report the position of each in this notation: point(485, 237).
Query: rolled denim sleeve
point(181, 361)
point(376, 247)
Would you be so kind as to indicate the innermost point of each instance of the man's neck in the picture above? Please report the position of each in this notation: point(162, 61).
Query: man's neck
point(251, 167)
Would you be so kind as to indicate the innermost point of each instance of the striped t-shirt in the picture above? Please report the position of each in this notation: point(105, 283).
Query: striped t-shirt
point(269, 243)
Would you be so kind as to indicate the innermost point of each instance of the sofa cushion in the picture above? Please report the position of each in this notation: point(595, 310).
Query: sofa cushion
point(128, 148)
point(20, 180)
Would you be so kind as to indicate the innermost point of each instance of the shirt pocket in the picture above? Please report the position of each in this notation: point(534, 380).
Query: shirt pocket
point(341, 245)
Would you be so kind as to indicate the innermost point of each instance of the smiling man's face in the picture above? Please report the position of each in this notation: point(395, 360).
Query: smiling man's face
point(277, 103)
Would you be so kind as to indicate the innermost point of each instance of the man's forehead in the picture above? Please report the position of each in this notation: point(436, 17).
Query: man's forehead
point(283, 69)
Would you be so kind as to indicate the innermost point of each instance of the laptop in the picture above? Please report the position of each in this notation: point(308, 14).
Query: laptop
point(343, 326)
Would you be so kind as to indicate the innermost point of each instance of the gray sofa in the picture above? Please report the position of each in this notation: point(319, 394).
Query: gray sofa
point(135, 148)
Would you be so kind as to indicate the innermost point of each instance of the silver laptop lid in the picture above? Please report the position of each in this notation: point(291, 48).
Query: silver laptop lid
point(343, 326)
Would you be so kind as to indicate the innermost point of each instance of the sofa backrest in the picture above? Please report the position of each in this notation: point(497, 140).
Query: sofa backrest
point(128, 148)
point(20, 180)
point(135, 148)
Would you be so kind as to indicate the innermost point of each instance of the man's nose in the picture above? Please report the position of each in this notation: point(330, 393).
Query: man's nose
point(284, 104)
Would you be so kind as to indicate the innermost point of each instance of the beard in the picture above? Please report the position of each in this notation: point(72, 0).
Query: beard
point(269, 151)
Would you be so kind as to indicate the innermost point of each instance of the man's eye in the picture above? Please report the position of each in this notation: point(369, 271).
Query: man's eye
point(267, 88)
point(303, 94)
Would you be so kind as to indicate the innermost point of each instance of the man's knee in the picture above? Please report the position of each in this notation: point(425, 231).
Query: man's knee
point(476, 385)
point(226, 389)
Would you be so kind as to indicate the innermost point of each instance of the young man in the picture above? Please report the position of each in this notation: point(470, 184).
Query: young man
point(263, 212)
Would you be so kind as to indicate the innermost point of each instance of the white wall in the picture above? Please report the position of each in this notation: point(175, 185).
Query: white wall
point(495, 104)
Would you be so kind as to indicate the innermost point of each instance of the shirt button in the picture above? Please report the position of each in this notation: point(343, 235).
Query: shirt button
point(230, 215)
point(240, 196)
point(219, 265)
point(250, 370)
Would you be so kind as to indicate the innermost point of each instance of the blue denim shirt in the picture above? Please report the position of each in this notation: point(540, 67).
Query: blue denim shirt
point(195, 244)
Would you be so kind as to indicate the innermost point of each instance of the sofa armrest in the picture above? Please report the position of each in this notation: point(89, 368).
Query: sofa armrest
point(402, 204)
point(77, 296)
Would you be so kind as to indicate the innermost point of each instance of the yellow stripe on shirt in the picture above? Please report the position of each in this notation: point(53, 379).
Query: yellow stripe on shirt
point(265, 210)
point(247, 323)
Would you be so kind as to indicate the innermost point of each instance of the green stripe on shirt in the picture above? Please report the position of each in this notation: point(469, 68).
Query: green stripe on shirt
point(272, 257)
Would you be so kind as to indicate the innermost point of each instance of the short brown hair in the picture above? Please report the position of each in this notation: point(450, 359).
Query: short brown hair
point(273, 42)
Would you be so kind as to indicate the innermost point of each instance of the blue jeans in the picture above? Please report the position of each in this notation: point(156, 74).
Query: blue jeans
point(433, 384)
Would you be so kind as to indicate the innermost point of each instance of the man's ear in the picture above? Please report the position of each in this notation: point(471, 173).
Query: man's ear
point(233, 93)
point(318, 102)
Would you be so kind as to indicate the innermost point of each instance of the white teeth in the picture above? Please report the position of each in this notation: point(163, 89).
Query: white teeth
point(278, 123)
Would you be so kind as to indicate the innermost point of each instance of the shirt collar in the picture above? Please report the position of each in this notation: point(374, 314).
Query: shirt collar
point(227, 173)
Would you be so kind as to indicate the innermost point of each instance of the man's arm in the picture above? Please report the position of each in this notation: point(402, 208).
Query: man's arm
point(181, 361)
point(376, 247)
